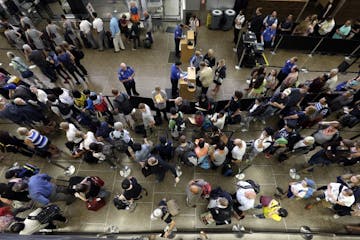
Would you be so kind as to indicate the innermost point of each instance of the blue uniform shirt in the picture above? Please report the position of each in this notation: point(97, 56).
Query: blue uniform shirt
point(178, 32)
point(125, 74)
point(175, 72)
point(287, 67)
point(268, 34)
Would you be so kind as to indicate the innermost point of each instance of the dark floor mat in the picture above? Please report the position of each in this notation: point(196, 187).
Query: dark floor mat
point(170, 29)
point(172, 58)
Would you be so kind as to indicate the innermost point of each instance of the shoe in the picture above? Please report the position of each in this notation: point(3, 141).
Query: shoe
point(267, 155)
point(248, 81)
point(278, 196)
point(77, 83)
point(122, 49)
point(66, 220)
point(235, 49)
point(335, 216)
point(66, 81)
point(263, 122)
point(116, 51)
point(309, 206)
point(133, 49)
point(258, 206)
point(136, 94)
point(280, 190)
point(244, 130)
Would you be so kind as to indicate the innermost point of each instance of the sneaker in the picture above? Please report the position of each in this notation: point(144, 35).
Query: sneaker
point(235, 49)
point(136, 94)
point(335, 216)
point(258, 206)
point(318, 199)
point(244, 130)
point(280, 190)
point(248, 81)
point(263, 122)
point(309, 206)
point(267, 155)
point(278, 196)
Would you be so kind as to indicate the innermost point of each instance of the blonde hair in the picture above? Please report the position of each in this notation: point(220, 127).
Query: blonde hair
point(22, 131)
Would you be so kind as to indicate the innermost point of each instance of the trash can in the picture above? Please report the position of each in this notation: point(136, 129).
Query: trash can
point(229, 19)
point(216, 18)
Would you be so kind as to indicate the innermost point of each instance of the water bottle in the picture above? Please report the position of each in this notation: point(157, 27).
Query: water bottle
point(125, 172)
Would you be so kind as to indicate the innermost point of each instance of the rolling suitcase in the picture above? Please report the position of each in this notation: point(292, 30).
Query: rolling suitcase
point(95, 204)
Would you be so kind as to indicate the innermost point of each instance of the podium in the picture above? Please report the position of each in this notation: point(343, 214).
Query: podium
point(187, 51)
point(187, 87)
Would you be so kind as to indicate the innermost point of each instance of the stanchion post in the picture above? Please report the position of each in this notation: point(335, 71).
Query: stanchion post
point(316, 47)
point(278, 43)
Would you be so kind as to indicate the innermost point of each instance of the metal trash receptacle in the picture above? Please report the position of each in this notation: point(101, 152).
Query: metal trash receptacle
point(229, 19)
point(216, 18)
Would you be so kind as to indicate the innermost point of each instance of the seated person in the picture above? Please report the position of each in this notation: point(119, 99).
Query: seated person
point(165, 149)
point(301, 190)
point(218, 156)
point(220, 206)
point(183, 149)
point(276, 104)
point(238, 150)
point(271, 209)
point(351, 116)
point(141, 152)
point(218, 119)
point(233, 108)
point(202, 153)
point(87, 189)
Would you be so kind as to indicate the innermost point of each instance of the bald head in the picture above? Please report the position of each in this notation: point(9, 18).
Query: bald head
point(123, 66)
point(238, 142)
point(194, 189)
point(250, 194)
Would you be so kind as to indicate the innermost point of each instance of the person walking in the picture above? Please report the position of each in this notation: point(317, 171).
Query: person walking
point(53, 32)
point(116, 33)
point(126, 76)
point(159, 98)
point(158, 167)
point(148, 26)
point(220, 75)
point(69, 32)
point(98, 25)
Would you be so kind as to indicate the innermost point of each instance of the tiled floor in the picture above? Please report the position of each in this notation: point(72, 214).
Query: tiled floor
point(152, 69)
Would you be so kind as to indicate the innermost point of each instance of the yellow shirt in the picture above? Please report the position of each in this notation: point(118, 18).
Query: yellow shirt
point(270, 211)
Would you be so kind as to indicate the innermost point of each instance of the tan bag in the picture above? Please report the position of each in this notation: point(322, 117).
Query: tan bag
point(173, 207)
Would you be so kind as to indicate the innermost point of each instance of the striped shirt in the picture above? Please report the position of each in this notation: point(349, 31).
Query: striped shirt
point(37, 139)
point(322, 109)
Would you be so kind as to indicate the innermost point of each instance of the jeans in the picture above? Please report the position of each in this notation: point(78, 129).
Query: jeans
point(118, 43)
point(91, 39)
point(158, 113)
point(101, 40)
point(177, 46)
point(49, 72)
point(81, 67)
point(136, 39)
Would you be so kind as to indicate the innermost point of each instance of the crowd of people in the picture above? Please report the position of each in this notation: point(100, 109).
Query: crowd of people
point(98, 131)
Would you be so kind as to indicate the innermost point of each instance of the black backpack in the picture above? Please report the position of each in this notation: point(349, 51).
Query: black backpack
point(64, 109)
point(120, 204)
point(47, 214)
point(254, 186)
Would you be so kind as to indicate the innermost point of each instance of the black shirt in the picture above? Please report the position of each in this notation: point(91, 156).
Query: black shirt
point(234, 105)
point(257, 23)
point(8, 193)
point(134, 192)
point(294, 97)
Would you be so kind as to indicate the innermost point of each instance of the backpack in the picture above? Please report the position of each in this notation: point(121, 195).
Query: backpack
point(253, 185)
point(64, 108)
point(78, 54)
point(147, 43)
point(102, 106)
point(120, 204)
point(47, 214)
point(97, 181)
point(206, 189)
point(228, 170)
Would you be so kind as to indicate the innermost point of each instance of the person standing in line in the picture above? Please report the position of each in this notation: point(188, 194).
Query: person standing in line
point(205, 77)
point(85, 28)
point(67, 61)
point(256, 23)
point(194, 25)
point(53, 32)
point(14, 37)
point(38, 58)
point(174, 77)
point(33, 37)
point(148, 26)
point(69, 32)
point(126, 76)
point(177, 37)
point(26, 20)
point(135, 35)
point(239, 21)
point(98, 25)
point(116, 33)
point(78, 55)
point(159, 98)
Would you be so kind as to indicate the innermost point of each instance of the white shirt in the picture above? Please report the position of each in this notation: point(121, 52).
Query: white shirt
point(98, 24)
point(41, 96)
point(194, 24)
point(85, 26)
point(239, 21)
point(245, 202)
point(66, 98)
point(71, 134)
point(32, 226)
point(123, 135)
point(266, 143)
point(299, 190)
point(335, 187)
point(218, 122)
point(238, 153)
point(326, 27)
point(90, 138)
point(299, 144)
point(147, 116)
point(332, 82)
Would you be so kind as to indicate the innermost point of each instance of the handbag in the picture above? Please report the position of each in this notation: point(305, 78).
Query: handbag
point(146, 171)
point(95, 204)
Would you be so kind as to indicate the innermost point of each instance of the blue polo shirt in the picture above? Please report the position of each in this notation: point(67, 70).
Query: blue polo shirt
point(178, 32)
point(175, 72)
point(268, 34)
point(125, 74)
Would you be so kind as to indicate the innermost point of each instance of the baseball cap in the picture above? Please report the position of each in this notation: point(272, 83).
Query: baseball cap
point(156, 214)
